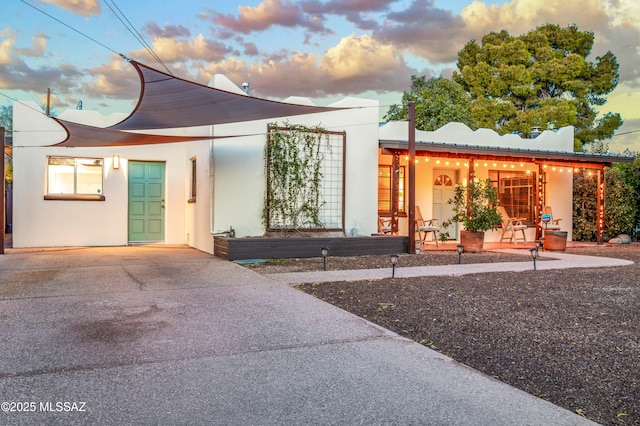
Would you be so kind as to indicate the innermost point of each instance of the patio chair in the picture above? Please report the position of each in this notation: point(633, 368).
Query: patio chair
point(552, 224)
point(424, 227)
point(512, 225)
point(384, 225)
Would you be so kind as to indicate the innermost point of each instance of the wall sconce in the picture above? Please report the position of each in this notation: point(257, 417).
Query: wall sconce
point(534, 256)
point(460, 248)
point(116, 161)
point(324, 251)
point(394, 262)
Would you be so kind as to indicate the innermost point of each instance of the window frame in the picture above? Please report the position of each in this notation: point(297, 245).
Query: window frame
point(75, 196)
point(193, 183)
point(402, 184)
point(529, 217)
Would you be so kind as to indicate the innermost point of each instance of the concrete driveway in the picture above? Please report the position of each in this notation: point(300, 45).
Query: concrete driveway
point(171, 335)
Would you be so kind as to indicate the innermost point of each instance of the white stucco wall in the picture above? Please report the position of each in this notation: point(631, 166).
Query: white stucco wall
point(239, 178)
point(559, 183)
point(44, 223)
point(234, 179)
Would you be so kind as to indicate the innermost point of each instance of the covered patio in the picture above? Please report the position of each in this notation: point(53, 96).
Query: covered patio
point(529, 174)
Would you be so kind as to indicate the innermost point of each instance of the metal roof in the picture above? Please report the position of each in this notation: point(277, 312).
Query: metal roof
point(441, 149)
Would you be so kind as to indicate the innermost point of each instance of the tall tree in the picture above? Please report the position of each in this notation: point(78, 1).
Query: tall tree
point(438, 102)
point(6, 118)
point(540, 79)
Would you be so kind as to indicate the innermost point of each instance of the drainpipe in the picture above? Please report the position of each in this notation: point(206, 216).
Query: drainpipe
point(211, 179)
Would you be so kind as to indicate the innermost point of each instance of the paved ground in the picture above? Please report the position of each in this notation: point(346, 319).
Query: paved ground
point(170, 335)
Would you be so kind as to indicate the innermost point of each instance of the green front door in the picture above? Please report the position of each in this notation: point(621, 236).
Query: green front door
point(146, 201)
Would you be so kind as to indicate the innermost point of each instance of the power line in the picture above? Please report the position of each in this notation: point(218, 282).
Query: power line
point(135, 33)
point(73, 29)
point(626, 133)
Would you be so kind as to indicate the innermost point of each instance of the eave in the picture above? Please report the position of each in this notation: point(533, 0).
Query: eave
point(440, 149)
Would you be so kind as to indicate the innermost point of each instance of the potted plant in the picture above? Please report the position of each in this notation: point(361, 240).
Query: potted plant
point(475, 207)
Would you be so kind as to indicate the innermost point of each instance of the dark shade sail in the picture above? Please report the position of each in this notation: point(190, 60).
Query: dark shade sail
point(80, 135)
point(168, 102)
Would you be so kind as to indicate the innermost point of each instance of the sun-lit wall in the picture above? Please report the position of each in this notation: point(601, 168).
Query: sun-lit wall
point(239, 168)
point(43, 223)
point(559, 180)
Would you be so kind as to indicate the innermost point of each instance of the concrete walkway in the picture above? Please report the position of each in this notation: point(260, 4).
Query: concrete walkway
point(171, 335)
point(547, 260)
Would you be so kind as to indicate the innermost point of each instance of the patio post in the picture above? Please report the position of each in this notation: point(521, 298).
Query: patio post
point(395, 185)
point(600, 206)
point(412, 178)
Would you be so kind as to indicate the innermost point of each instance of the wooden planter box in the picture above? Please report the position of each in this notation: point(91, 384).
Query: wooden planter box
point(299, 247)
point(555, 240)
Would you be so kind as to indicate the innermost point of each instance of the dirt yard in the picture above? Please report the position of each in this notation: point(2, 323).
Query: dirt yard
point(569, 336)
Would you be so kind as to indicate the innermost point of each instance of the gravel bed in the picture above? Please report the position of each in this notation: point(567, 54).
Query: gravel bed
point(569, 336)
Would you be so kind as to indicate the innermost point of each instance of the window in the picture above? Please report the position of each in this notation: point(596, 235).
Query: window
point(194, 181)
point(71, 178)
point(516, 193)
point(384, 190)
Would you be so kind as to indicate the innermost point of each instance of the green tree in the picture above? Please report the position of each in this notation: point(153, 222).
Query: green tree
point(539, 79)
point(620, 206)
point(438, 101)
point(6, 121)
point(631, 175)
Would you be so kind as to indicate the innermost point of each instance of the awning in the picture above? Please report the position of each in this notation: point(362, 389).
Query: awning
point(169, 102)
point(440, 149)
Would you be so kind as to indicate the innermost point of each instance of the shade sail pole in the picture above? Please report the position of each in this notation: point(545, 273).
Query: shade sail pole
point(412, 178)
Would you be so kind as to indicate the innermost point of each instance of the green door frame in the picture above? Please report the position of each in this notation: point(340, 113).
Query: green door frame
point(146, 216)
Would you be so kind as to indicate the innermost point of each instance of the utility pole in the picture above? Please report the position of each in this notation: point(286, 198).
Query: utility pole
point(48, 101)
point(2, 191)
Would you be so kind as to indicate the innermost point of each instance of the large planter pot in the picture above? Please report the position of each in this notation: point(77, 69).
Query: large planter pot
point(473, 242)
point(555, 240)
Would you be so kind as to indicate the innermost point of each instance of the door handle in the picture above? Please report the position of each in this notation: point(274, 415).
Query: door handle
point(162, 203)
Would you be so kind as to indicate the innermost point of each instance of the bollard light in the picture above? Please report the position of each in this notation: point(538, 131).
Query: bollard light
point(324, 251)
point(394, 262)
point(460, 248)
point(534, 256)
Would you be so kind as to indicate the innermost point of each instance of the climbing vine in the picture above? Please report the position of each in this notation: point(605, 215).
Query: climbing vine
point(293, 162)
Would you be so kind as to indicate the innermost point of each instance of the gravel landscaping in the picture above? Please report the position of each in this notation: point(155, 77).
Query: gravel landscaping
point(570, 336)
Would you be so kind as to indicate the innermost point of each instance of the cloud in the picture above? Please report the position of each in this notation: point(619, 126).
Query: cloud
point(16, 74)
point(358, 12)
point(425, 31)
point(168, 31)
point(353, 66)
point(266, 15)
point(171, 50)
point(79, 7)
point(116, 79)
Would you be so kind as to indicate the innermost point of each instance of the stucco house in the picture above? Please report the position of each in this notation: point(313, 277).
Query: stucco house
point(179, 192)
point(189, 163)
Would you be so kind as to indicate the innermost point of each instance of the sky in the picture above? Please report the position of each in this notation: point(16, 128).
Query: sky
point(321, 49)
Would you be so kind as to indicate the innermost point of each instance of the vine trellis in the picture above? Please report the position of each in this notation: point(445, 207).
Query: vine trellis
point(295, 161)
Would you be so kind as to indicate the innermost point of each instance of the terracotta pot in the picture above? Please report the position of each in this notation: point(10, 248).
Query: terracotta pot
point(555, 240)
point(473, 242)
